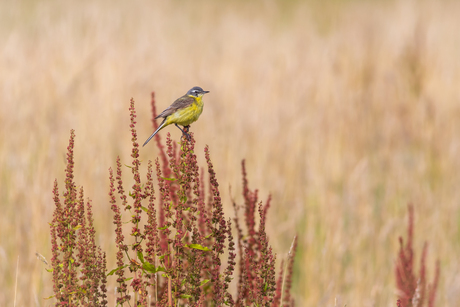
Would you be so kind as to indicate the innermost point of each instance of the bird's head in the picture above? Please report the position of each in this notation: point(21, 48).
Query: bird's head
point(196, 92)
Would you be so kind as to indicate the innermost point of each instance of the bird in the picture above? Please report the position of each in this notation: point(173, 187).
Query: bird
point(184, 111)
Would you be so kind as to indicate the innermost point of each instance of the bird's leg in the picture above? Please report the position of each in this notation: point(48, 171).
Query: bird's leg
point(180, 128)
point(184, 131)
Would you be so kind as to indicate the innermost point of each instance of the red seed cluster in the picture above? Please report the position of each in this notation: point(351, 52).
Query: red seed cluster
point(413, 289)
point(180, 249)
point(78, 264)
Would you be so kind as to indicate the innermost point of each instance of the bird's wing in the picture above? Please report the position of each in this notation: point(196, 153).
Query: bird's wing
point(180, 103)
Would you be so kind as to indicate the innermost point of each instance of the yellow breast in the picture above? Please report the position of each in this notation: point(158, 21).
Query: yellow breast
point(188, 115)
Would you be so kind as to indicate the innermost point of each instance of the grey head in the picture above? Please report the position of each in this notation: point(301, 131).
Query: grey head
point(196, 92)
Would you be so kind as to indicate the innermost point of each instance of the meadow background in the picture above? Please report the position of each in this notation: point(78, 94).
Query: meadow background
point(344, 110)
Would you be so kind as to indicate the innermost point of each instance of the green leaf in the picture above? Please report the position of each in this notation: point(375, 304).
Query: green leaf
point(148, 267)
point(204, 282)
point(169, 179)
point(140, 256)
point(145, 209)
point(198, 246)
point(77, 227)
point(128, 166)
point(128, 279)
point(186, 296)
point(164, 227)
point(47, 298)
point(117, 269)
point(151, 268)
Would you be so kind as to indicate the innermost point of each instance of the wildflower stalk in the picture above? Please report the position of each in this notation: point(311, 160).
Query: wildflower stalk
point(413, 290)
point(177, 237)
point(77, 269)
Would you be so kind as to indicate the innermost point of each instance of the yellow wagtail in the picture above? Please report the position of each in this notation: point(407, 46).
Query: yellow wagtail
point(184, 111)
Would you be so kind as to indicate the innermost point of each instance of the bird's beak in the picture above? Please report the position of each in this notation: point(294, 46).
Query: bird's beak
point(205, 92)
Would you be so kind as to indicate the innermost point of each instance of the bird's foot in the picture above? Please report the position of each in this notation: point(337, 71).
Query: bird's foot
point(187, 136)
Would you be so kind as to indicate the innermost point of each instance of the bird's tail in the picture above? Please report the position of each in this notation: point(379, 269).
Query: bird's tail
point(156, 131)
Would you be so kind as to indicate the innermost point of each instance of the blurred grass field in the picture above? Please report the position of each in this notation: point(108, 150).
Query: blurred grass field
point(344, 110)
